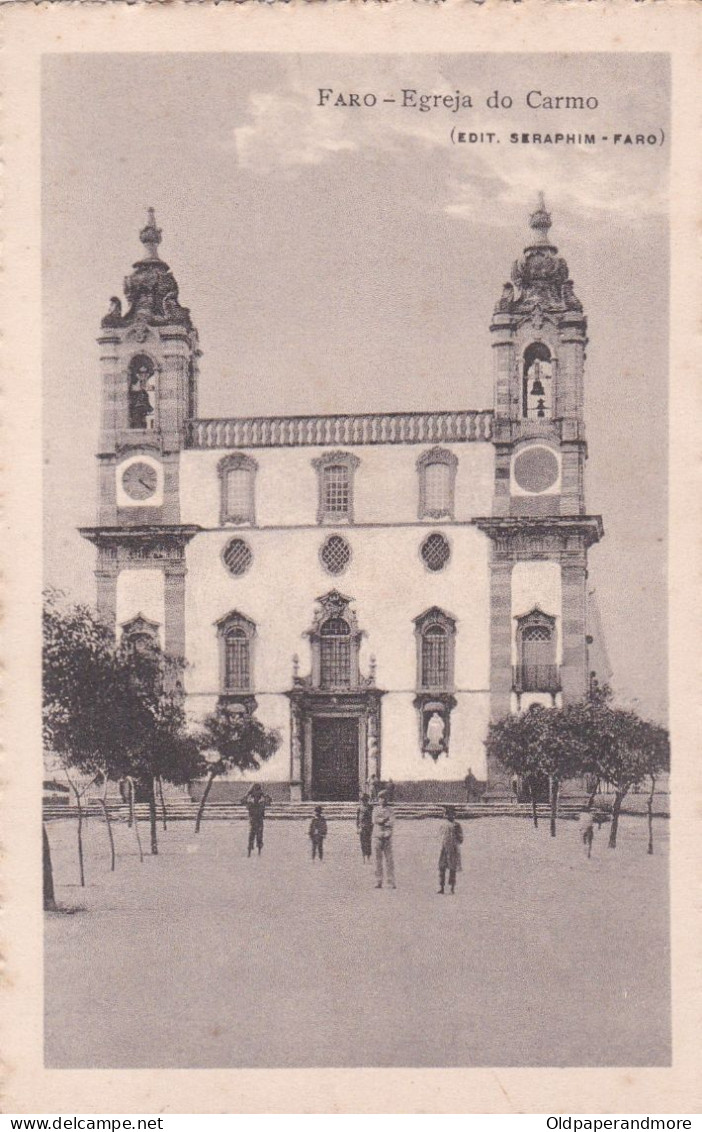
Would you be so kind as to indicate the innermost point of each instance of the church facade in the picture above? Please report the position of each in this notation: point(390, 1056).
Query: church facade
point(377, 586)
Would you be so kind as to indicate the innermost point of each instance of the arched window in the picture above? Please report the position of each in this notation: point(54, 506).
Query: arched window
point(140, 634)
point(237, 474)
point(335, 653)
point(437, 478)
point(142, 393)
point(435, 632)
point(335, 472)
point(536, 647)
point(537, 382)
point(236, 634)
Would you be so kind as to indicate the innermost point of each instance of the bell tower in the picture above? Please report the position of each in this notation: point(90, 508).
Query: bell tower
point(148, 364)
point(539, 530)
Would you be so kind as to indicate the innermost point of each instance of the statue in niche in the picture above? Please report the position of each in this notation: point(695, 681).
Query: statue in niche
point(436, 729)
point(141, 409)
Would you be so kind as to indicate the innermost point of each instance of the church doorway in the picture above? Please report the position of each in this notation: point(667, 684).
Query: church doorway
point(335, 758)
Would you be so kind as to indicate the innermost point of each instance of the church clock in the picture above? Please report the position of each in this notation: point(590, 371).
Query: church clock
point(139, 481)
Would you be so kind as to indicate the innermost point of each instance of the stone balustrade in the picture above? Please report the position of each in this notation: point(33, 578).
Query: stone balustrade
point(342, 429)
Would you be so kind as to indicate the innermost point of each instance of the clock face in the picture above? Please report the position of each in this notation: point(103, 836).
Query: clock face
point(139, 481)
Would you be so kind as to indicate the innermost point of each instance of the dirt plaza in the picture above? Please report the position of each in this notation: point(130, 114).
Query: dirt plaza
point(202, 958)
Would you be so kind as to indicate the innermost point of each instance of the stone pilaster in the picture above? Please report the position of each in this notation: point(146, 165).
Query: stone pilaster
point(296, 743)
point(574, 669)
point(106, 585)
point(174, 602)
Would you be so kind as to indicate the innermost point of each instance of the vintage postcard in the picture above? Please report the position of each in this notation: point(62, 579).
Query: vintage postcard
point(349, 596)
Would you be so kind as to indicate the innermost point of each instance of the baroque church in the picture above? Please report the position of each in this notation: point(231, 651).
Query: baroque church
point(377, 586)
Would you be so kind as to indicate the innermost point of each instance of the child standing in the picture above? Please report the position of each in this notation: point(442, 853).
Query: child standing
point(318, 831)
point(364, 826)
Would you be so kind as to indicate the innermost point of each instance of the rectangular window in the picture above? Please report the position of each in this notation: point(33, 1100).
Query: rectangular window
point(336, 489)
point(435, 669)
point(239, 493)
point(335, 662)
point(437, 488)
point(237, 670)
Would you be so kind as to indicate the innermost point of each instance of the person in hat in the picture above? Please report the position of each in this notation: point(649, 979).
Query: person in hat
point(256, 801)
point(317, 833)
point(450, 852)
point(383, 824)
point(364, 826)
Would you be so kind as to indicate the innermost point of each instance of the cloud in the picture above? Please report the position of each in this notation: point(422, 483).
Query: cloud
point(283, 132)
point(581, 181)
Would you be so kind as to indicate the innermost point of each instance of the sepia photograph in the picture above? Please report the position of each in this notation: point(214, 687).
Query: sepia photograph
point(355, 706)
point(354, 633)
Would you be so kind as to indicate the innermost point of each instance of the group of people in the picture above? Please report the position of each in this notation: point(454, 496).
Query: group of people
point(375, 823)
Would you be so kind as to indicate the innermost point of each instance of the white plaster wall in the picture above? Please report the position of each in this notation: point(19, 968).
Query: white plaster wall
point(141, 591)
point(386, 483)
point(387, 579)
point(390, 587)
point(402, 759)
point(537, 584)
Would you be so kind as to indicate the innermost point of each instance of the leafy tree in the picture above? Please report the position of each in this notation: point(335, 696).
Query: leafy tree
point(623, 750)
point(84, 691)
point(233, 740)
point(158, 747)
point(112, 712)
point(536, 743)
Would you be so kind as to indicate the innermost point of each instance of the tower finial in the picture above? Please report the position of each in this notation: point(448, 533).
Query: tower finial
point(540, 221)
point(150, 236)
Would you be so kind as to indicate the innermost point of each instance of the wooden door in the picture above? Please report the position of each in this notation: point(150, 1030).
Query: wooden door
point(335, 759)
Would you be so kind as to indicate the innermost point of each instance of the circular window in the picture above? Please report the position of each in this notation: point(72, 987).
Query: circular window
point(237, 556)
point(335, 554)
point(536, 469)
point(435, 552)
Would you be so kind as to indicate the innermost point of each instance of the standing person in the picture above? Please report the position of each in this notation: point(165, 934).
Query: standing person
point(390, 791)
point(471, 783)
point(256, 801)
point(450, 854)
point(588, 833)
point(364, 826)
point(317, 832)
point(383, 823)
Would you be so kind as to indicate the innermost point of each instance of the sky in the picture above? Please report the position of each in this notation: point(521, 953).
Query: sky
point(341, 259)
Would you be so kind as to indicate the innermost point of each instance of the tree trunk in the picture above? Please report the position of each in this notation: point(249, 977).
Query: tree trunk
point(649, 807)
point(130, 798)
point(201, 807)
point(534, 814)
point(132, 810)
point(108, 823)
point(81, 864)
point(49, 898)
point(152, 817)
point(554, 805)
point(163, 803)
point(616, 810)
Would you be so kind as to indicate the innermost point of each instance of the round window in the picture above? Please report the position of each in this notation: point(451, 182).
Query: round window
point(335, 554)
point(237, 557)
point(536, 469)
point(435, 552)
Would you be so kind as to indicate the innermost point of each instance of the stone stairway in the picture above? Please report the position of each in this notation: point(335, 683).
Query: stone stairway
point(183, 810)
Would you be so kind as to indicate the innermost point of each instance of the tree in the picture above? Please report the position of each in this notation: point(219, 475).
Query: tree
point(157, 746)
point(233, 740)
point(84, 724)
point(112, 711)
point(623, 750)
point(539, 742)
